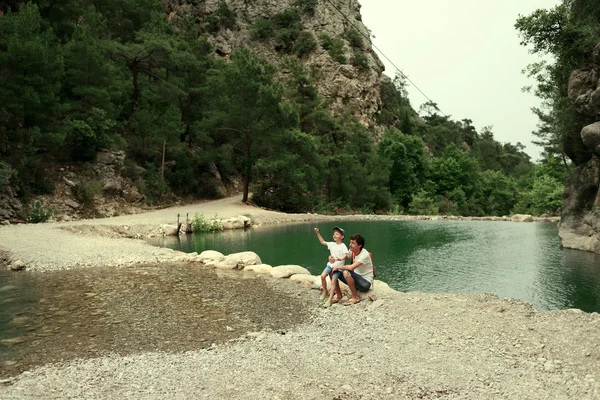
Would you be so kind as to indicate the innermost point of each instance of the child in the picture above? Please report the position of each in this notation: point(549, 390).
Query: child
point(338, 253)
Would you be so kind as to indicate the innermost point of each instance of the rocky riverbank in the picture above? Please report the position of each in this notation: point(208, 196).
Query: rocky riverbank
point(279, 344)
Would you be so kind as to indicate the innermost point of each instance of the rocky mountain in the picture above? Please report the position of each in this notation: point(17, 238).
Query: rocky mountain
point(580, 220)
point(348, 74)
point(348, 88)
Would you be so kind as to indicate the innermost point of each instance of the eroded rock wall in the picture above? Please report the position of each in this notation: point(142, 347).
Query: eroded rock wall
point(579, 226)
point(347, 88)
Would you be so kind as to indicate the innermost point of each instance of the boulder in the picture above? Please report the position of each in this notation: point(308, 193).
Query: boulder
point(208, 256)
point(239, 260)
point(285, 271)
point(522, 218)
point(313, 280)
point(590, 134)
point(237, 222)
point(17, 265)
point(259, 269)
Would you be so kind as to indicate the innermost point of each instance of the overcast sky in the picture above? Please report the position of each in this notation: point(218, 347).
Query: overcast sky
point(465, 56)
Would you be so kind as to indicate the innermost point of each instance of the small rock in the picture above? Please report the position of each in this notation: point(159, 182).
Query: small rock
point(17, 265)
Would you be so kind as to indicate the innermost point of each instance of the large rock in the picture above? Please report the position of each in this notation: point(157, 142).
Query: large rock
point(209, 256)
point(259, 268)
point(522, 218)
point(238, 260)
point(590, 135)
point(580, 217)
point(285, 271)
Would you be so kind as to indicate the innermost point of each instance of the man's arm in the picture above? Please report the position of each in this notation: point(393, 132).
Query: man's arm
point(350, 267)
point(323, 242)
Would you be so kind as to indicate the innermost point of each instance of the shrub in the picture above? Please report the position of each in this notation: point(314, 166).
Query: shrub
point(334, 46)
point(423, 204)
point(305, 43)
point(38, 213)
point(360, 61)
point(307, 6)
point(86, 190)
point(262, 29)
point(355, 39)
point(6, 174)
point(286, 38)
point(154, 186)
point(223, 17)
point(200, 224)
point(287, 19)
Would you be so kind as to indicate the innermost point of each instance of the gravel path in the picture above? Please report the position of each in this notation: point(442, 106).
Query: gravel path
point(403, 345)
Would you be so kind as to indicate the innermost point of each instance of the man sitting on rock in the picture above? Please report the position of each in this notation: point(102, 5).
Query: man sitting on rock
point(358, 275)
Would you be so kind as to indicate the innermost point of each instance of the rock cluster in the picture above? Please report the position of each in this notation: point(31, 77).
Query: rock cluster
point(580, 219)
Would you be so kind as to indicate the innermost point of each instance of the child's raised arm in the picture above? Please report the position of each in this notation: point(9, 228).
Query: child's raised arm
point(320, 237)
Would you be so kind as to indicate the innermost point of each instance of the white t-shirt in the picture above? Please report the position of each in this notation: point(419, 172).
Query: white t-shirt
point(338, 251)
point(365, 269)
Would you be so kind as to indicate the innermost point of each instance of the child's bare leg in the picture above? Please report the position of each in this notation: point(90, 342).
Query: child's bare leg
point(323, 282)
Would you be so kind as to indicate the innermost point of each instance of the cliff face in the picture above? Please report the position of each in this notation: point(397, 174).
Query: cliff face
point(346, 87)
point(580, 220)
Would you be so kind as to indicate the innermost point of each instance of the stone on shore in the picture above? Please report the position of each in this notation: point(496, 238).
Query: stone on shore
point(259, 268)
point(285, 271)
point(208, 256)
point(238, 260)
point(522, 218)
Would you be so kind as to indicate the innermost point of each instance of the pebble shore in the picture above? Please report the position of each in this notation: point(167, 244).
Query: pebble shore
point(401, 346)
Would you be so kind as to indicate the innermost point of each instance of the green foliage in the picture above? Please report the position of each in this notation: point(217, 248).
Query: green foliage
point(262, 29)
point(355, 39)
point(288, 27)
point(307, 6)
point(6, 175)
point(87, 189)
point(335, 47)
point(223, 17)
point(38, 213)
point(409, 164)
point(305, 44)
point(153, 185)
point(423, 204)
point(248, 110)
point(360, 61)
point(287, 179)
point(568, 32)
point(201, 225)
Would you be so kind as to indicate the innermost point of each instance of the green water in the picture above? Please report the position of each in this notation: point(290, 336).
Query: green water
point(513, 260)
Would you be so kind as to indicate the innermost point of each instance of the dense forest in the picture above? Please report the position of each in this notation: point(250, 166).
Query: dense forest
point(81, 76)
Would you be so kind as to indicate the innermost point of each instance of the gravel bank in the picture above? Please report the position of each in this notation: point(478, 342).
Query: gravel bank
point(406, 345)
point(413, 346)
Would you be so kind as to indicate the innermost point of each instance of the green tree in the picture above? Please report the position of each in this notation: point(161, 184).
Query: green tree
point(249, 108)
point(408, 164)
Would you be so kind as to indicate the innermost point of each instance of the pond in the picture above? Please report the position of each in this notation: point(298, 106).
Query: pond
point(512, 260)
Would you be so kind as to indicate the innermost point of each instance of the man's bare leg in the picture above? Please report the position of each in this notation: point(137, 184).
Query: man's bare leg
point(352, 285)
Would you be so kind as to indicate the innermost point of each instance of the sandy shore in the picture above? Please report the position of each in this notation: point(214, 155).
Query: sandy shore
point(404, 345)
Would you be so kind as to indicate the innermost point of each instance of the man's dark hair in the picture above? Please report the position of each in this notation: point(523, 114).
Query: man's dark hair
point(359, 239)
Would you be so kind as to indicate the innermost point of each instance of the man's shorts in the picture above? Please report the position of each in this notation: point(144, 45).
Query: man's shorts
point(361, 283)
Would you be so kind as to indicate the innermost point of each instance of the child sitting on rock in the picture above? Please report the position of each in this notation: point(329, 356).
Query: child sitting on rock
point(338, 253)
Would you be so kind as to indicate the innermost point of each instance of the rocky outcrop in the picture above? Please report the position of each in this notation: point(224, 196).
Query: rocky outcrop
point(346, 87)
point(579, 226)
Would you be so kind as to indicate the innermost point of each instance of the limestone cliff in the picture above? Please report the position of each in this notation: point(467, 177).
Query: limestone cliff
point(346, 87)
point(580, 220)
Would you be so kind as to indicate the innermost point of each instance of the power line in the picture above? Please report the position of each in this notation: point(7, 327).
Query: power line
point(384, 56)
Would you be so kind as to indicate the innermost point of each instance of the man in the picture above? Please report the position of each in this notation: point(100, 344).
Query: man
point(358, 275)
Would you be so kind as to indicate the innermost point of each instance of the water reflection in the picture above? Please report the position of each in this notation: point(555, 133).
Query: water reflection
point(513, 260)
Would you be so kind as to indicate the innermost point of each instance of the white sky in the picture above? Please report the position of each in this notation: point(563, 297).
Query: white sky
point(465, 56)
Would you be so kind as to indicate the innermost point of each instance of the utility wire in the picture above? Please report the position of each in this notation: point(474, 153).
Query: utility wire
point(384, 56)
